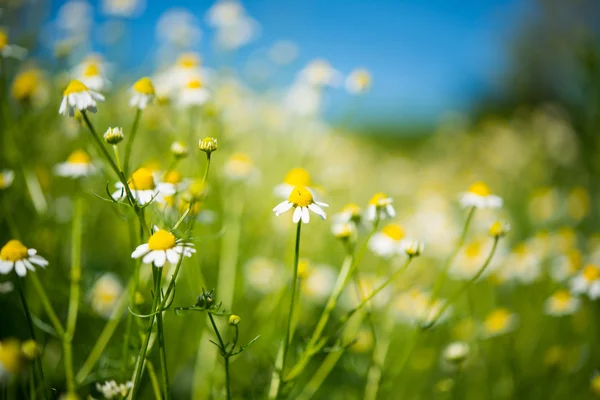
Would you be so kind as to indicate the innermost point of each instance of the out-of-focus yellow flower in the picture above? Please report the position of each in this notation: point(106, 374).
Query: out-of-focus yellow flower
point(359, 81)
point(562, 302)
point(380, 208)
point(479, 195)
point(239, 167)
point(390, 241)
point(499, 322)
point(26, 84)
point(142, 93)
point(578, 203)
point(587, 282)
point(31, 349)
point(295, 177)
point(6, 179)
point(10, 358)
point(105, 294)
point(544, 204)
point(499, 229)
point(78, 165)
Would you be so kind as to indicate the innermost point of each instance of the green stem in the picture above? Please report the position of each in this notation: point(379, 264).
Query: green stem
point(153, 380)
point(161, 337)
point(137, 377)
point(224, 353)
point(76, 237)
point(129, 145)
point(227, 383)
point(378, 360)
point(37, 285)
point(38, 360)
point(194, 201)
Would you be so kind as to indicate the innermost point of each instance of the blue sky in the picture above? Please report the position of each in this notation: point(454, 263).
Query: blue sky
point(427, 57)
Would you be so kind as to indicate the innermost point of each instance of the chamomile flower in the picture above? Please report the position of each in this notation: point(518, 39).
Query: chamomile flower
point(163, 247)
point(112, 390)
point(10, 50)
point(14, 255)
point(144, 188)
point(105, 294)
point(564, 266)
point(6, 178)
point(359, 81)
point(587, 282)
point(193, 94)
point(301, 199)
point(28, 86)
point(91, 74)
point(380, 208)
point(78, 165)
point(344, 230)
point(239, 167)
point(318, 283)
point(523, 265)
point(479, 195)
point(350, 213)
point(417, 307)
point(77, 96)
point(470, 259)
point(390, 241)
point(295, 177)
point(499, 322)
point(562, 302)
point(11, 360)
point(320, 73)
point(142, 93)
point(456, 353)
point(264, 275)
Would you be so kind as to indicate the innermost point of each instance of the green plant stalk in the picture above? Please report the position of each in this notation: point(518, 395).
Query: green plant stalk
point(76, 237)
point(153, 380)
point(38, 360)
point(312, 347)
point(223, 353)
point(378, 360)
point(37, 285)
point(161, 337)
point(137, 376)
point(129, 145)
point(229, 253)
point(193, 202)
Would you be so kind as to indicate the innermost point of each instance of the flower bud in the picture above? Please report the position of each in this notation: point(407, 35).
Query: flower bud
point(179, 150)
point(114, 135)
point(343, 230)
point(499, 229)
point(30, 349)
point(456, 353)
point(234, 320)
point(208, 145)
point(414, 248)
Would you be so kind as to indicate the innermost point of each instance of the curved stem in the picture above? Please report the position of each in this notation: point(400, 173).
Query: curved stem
point(129, 145)
point(161, 338)
point(37, 285)
point(38, 360)
point(288, 331)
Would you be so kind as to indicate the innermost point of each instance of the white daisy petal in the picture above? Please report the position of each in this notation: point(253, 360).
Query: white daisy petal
point(172, 256)
point(20, 268)
point(140, 251)
point(6, 267)
point(160, 258)
point(297, 214)
point(149, 258)
point(305, 215)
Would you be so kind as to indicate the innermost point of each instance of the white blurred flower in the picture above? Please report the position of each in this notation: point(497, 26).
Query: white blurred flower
point(499, 322)
point(112, 390)
point(75, 17)
point(264, 275)
point(390, 241)
point(319, 282)
point(179, 27)
point(319, 73)
point(359, 81)
point(562, 302)
point(302, 100)
point(234, 27)
point(8, 50)
point(239, 167)
point(193, 94)
point(78, 165)
point(587, 282)
point(479, 195)
point(295, 177)
point(105, 294)
point(283, 52)
point(522, 265)
point(380, 208)
point(417, 307)
point(6, 178)
point(123, 8)
point(144, 188)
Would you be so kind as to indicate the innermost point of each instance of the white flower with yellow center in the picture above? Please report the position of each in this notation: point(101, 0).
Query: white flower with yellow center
point(566, 265)
point(79, 164)
point(113, 390)
point(142, 93)
point(318, 283)
point(390, 241)
point(77, 96)
point(163, 247)
point(470, 259)
point(301, 199)
point(587, 282)
point(499, 322)
point(380, 208)
point(320, 73)
point(479, 195)
point(350, 213)
point(194, 94)
point(144, 188)
point(417, 307)
point(10, 50)
point(456, 353)
point(264, 275)
point(239, 167)
point(6, 178)
point(14, 255)
point(294, 178)
point(523, 265)
point(91, 74)
point(105, 294)
point(359, 81)
point(562, 302)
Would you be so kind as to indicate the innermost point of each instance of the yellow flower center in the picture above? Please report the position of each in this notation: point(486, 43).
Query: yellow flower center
point(144, 86)
point(194, 84)
point(25, 84)
point(188, 60)
point(497, 321)
point(75, 87)
point(79, 157)
point(13, 251)
point(3, 39)
point(142, 179)
point(161, 240)
point(473, 249)
point(301, 197)
point(377, 199)
point(152, 165)
point(480, 188)
point(352, 209)
point(297, 177)
point(173, 177)
point(10, 355)
point(393, 231)
point(91, 70)
point(591, 272)
point(562, 298)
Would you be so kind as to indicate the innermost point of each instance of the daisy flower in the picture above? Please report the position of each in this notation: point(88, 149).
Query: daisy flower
point(142, 93)
point(113, 390)
point(318, 283)
point(6, 178)
point(499, 322)
point(359, 81)
point(350, 213)
point(193, 94)
point(15, 255)
point(179, 150)
point(479, 195)
point(469, 260)
point(562, 302)
point(91, 75)
point(163, 247)
point(295, 177)
point(301, 199)
point(390, 241)
point(343, 230)
point(28, 86)
point(11, 359)
point(456, 353)
point(587, 282)
point(417, 307)
point(105, 294)
point(380, 208)
point(77, 96)
point(239, 167)
point(320, 73)
point(79, 164)
point(10, 50)
point(523, 265)
point(144, 188)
